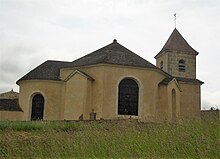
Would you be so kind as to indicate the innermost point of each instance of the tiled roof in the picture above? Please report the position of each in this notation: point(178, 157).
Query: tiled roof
point(176, 42)
point(113, 53)
point(189, 80)
point(166, 80)
point(81, 73)
point(9, 105)
point(49, 70)
point(9, 95)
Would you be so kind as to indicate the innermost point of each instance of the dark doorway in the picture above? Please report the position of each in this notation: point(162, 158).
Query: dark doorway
point(128, 97)
point(37, 112)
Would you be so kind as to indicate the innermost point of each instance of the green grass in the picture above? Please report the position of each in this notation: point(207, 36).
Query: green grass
point(110, 139)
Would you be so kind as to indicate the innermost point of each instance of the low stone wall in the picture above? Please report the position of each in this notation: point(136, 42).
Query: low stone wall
point(206, 114)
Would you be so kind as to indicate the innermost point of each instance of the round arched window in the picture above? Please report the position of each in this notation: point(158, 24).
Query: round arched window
point(37, 111)
point(128, 97)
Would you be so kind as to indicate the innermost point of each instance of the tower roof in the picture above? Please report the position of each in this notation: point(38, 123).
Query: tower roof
point(176, 42)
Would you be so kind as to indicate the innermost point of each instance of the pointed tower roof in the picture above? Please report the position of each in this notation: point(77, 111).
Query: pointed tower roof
point(176, 42)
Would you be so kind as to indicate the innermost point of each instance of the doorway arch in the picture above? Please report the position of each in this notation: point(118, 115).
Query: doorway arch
point(37, 111)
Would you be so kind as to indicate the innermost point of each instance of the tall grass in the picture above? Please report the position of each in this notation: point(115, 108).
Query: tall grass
point(110, 139)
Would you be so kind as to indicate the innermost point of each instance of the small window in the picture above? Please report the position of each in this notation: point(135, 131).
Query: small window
point(161, 65)
point(182, 66)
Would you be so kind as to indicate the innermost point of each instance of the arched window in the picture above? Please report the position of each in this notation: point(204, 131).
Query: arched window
point(37, 111)
point(173, 104)
point(161, 65)
point(182, 66)
point(128, 97)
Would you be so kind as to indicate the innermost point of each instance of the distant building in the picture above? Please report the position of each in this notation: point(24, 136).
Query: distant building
point(115, 83)
point(9, 106)
point(9, 95)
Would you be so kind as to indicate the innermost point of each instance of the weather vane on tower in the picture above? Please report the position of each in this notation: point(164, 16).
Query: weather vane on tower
point(175, 19)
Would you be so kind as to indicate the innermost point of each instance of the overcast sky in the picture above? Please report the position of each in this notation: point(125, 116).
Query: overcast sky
point(33, 31)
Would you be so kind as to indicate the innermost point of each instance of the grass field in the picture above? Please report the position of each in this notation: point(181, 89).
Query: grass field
point(110, 139)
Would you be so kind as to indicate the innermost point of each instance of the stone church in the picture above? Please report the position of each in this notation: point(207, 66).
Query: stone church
point(113, 83)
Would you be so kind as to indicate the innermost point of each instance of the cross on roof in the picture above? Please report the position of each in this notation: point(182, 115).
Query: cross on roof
point(175, 19)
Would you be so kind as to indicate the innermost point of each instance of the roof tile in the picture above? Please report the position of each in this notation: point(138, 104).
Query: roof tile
point(9, 105)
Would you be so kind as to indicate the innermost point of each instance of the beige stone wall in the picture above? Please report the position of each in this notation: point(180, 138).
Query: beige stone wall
point(165, 111)
point(171, 64)
point(105, 90)
point(95, 89)
point(190, 100)
point(162, 104)
point(11, 115)
point(173, 109)
point(147, 80)
point(77, 98)
point(164, 58)
point(52, 92)
point(78, 95)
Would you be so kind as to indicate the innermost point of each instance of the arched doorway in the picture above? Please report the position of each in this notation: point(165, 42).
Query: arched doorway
point(37, 111)
point(128, 97)
point(173, 104)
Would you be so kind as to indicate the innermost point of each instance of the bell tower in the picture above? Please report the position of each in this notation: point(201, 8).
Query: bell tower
point(177, 57)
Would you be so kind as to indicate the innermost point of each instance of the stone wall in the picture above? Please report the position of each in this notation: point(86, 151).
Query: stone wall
point(171, 64)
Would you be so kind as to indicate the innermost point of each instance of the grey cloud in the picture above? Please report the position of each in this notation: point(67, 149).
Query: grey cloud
point(14, 63)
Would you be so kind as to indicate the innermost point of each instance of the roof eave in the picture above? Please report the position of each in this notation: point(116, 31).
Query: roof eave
point(168, 50)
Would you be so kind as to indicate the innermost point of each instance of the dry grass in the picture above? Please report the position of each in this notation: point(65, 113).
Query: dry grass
point(110, 139)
